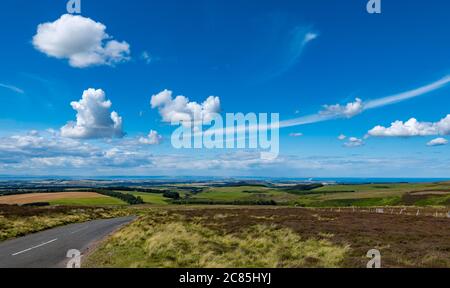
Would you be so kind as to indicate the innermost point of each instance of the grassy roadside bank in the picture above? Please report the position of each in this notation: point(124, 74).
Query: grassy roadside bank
point(162, 240)
point(272, 237)
point(17, 221)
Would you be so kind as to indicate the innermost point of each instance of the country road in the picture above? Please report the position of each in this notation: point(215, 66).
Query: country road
point(48, 249)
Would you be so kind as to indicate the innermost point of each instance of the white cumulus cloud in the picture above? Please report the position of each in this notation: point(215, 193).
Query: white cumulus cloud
point(94, 119)
point(181, 110)
point(81, 40)
point(354, 142)
point(342, 137)
point(438, 142)
point(349, 110)
point(412, 128)
point(153, 138)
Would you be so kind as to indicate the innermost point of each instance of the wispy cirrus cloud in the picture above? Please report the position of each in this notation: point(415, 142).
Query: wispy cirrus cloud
point(349, 110)
point(354, 108)
point(297, 41)
point(147, 57)
point(12, 88)
point(380, 102)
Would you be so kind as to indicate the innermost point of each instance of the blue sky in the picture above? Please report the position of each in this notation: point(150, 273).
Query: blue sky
point(286, 57)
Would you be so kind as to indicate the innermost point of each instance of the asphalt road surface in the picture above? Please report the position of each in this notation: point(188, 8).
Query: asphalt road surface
point(48, 249)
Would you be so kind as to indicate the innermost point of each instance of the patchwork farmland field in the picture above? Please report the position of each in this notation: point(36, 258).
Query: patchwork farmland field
point(247, 224)
point(363, 195)
point(300, 195)
point(152, 198)
point(63, 198)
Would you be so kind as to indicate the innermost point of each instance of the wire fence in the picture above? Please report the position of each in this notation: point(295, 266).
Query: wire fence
point(406, 211)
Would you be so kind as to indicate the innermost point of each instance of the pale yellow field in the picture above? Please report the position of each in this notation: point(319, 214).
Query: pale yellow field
point(47, 197)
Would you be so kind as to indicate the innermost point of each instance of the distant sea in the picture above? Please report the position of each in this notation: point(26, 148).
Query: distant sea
point(207, 178)
point(373, 180)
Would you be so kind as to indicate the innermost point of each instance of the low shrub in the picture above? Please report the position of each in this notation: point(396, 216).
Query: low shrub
point(171, 195)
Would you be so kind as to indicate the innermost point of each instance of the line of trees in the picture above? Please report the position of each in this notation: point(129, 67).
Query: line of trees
point(129, 198)
point(221, 202)
point(133, 189)
point(28, 191)
point(303, 189)
point(172, 195)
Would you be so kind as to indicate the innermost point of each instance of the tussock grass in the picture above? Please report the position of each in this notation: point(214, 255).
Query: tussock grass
point(12, 225)
point(179, 244)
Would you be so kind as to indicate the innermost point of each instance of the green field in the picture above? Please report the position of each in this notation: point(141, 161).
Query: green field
point(100, 201)
point(378, 195)
point(152, 198)
point(387, 189)
point(245, 193)
point(334, 195)
point(230, 225)
point(303, 195)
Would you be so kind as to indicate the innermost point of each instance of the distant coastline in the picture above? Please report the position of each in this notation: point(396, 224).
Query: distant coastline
point(330, 180)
